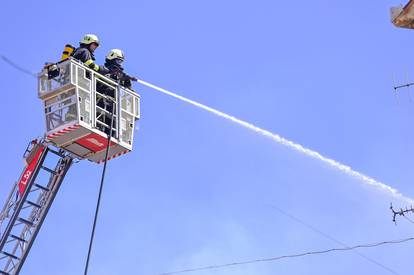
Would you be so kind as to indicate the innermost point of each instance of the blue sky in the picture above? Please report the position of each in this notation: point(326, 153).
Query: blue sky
point(198, 190)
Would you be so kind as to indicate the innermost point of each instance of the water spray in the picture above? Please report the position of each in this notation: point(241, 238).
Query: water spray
point(295, 146)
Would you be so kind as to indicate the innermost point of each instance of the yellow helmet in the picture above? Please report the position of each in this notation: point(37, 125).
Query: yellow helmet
point(89, 39)
point(115, 53)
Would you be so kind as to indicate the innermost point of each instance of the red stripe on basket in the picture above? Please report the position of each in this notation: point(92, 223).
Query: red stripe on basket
point(63, 131)
point(114, 156)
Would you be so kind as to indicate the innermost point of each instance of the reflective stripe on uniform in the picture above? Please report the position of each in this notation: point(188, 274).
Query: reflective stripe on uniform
point(89, 62)
point(91, 65)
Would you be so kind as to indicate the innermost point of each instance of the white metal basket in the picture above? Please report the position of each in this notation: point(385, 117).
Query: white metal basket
point(77, 118)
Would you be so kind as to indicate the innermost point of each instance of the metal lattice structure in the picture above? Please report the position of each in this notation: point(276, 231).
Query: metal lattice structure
point(29, 203)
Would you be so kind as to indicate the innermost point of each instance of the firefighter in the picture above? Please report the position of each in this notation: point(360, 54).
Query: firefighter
point(115, 71)
point(113, 63)
point(84, 53)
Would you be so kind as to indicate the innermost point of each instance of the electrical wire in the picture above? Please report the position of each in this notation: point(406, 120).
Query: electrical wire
point(14, 65)
point(325, 235)
point(273, 259)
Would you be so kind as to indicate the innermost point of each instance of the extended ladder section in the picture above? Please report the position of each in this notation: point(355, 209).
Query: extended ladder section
point(29, 203)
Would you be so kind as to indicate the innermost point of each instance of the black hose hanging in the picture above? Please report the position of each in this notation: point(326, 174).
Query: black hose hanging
point(101, 185)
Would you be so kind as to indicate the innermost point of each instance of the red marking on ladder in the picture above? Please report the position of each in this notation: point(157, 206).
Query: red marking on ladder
point(28, 172)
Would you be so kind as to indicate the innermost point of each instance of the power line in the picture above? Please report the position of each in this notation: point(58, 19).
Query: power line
point(325, 235)
point(18, 67)
point(288, 256)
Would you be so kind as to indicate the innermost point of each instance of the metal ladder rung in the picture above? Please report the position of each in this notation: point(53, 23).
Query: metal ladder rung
point(25, 221)
point(34, 204)
point(49, 170)
point(104, 111)
point(105, 125)
point(24, 215)
point(10, 255)
point(18, 238)
point(56, 152)
point(42, 187)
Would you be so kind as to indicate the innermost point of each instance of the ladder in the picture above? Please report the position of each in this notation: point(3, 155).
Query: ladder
point(28, 204)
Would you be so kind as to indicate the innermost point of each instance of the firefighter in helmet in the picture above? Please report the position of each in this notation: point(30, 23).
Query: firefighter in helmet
point(113, 64)
point(84, 53)
point(115, 71)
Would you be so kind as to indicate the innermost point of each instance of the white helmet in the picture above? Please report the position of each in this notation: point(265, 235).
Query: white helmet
point(114, 54)
point(89, 39)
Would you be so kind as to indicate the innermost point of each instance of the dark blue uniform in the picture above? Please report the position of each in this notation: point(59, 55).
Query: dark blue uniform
point(84, 55)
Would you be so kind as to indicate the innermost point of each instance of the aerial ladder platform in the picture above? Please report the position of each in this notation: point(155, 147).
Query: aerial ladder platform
point(88, 116)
